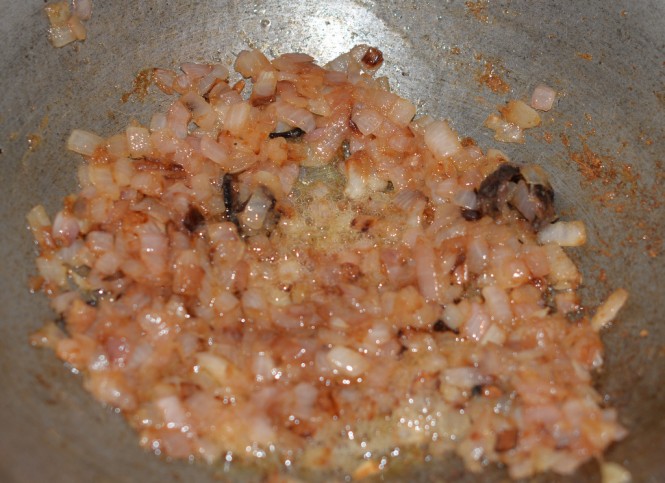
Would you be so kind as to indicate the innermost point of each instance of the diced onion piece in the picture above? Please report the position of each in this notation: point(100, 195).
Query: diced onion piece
point(426, 270)
point(563, 233)
point(83, 142)
point(38, 218)
point(614, 473)
point(196, 71)
point(215, 366)
point(117, 145)
point(367, 120)
point(563, 272)
point(52, 270)
point(295, 116)
point(237, 117)
point(173, 412)
point(77, 28)
point(520, 114)
point(441, 139)
point(58, 13)
point(498, 303)
point(609, 309)
point(478, 322)
point(466, 199)
point(347, 361)
point(82, 9)
point(202, 113)
point(165, 80)
point(542, 98)
point(138, 140)
point(402, 112)
point(464, 377)
point(504, 131)
point(213, 150)
point(453, 316)
point(65, 228)
point(250, 63)
point(265, 84)
point(177, 119)
point(494, 335)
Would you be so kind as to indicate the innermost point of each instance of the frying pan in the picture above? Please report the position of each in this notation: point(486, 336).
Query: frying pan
point(605, 59)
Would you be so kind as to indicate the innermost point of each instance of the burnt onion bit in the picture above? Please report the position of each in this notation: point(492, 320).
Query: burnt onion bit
point(522, 189)
point(470, 215)
point(193, 219)
point(440, 326)
point(294, 133)
point(231, 205)
point(373, 58)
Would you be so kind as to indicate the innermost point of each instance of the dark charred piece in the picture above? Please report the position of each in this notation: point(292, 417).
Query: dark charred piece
point(476, 390)
point(292, 134)
point(193, 219)
point(373, 58)
point(471, 215)
point(440, 326)
point(231, 207)
point(525, 190)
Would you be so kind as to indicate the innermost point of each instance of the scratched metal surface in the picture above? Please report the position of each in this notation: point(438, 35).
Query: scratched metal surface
point(605, 58)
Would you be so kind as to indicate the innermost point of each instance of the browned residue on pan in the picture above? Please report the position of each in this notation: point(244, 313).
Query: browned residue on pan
point(478, 9)
point(140, 86)
point(617, 186)
point(492, 76)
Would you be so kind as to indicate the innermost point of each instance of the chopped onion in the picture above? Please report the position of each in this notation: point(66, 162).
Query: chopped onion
point(542, 98)
point(563, 272)
point(347, 361)
point(426, 270)
point(498, 303)
point(237, 117)
point(367, 120)
point(563, 233)
point(77, 28)
point(265, 84)
point(441, 139)
point(82, 9)
point(38, 218)
point(466, 199)
point(213, 150)
point(250, 63)
point(295, 116)
point(503, 130)
point(402, 112)
point(165, 80)
point(65, 228)
point(614, 473)
point(215, 366)
point(609, 309)
point(477, 323)
point(58, 13)
point(196, 71)
point(52, 270)
point(520, 114)
point(202, 113)
point(83, 142)
point(173, 412)
point(464, 377)
point(178, 118)
point(138, 140)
